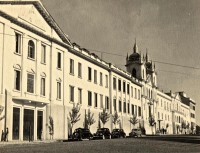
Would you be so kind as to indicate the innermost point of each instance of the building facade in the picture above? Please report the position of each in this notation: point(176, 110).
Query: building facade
point(43, 75)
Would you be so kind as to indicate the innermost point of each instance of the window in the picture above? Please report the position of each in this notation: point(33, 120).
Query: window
point(132, 92)
point(119, 85)
point(114, 105)
point(95, 100)
point(31, 49)
point(79, 95)
point(59, 60)
point(17, 80)
point(139, 111)
point(158, 115)
point(71, 93)
point(43, 54)
point(128, 108)
point(58, 90)
point(167, 106)
point(89, 98)
point(114, 83)
point(89, 74)
point(101, 101)
point(71, 69)
point(101, 79)
point(107, 102)
point(18, 43)
point(79, 70)
point(124, 107)
point(132, 107)
point(136, 110)
point(124, 86)
point(128, 89)
point(42, 90)
point(138, 94)
point(120, 106)
point(106, 80)
point(30, 83)
point(135, 93)
point(95, 76)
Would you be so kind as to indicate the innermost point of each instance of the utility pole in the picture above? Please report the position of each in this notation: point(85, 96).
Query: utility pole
point(5, 110)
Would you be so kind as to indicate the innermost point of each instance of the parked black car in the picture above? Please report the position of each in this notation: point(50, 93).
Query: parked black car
point(118, 133)
point(102, 133)
point(81, 133)
point(135, 133)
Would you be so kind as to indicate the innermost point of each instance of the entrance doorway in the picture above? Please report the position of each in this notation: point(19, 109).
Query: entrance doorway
point(39, 125)
point(16, 121)
point(28, 132)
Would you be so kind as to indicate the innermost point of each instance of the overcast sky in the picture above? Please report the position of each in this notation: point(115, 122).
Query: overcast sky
point(169, 29)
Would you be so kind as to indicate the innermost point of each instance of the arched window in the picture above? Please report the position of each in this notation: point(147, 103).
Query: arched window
point(31, 49)
point(134, 73)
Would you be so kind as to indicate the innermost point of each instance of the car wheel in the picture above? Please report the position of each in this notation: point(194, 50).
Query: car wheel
point(121, 136)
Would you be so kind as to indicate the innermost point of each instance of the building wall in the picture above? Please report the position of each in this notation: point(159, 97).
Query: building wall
point(164, 112)
point(143, 95)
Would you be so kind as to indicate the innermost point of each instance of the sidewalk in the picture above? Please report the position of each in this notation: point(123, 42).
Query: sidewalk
point(3, 143)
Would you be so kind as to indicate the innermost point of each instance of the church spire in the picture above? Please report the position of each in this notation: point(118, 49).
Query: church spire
point(147, 58)
point(135, 48)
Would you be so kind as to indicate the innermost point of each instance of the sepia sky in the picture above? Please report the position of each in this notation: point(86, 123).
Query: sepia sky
point(169, 29)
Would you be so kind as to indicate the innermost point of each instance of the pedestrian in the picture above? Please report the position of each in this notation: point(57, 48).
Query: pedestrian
point(6, 135)
point(2, 136)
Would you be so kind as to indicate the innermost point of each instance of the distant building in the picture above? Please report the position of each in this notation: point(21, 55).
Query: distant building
point(43, 75)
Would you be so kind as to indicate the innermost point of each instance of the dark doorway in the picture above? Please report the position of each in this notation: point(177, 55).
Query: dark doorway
point(16, 123)
point(39, 125)
point(28, 125)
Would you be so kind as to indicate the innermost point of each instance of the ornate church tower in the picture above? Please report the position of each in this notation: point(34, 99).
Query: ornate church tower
point(135, 64)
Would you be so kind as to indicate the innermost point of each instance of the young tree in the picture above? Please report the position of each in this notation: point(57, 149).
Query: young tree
point(99, 122)
point(74, 116)
point(152, 122)
point(188, 127)
point(89, 120)
point(192, 128)
point(104, 117)
point(133, 120)
point(115, 119)
point(183, 125)
point(51, 127)
point(178, 128)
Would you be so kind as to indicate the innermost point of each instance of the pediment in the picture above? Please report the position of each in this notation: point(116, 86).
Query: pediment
point(35, 17)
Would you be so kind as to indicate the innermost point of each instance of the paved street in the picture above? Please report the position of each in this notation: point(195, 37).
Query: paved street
point(145, 144)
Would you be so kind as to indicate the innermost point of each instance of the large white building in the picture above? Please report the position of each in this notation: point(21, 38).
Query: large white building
point(43, 74)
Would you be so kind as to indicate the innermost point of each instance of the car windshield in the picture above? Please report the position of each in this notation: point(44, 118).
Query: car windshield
point(135, 130)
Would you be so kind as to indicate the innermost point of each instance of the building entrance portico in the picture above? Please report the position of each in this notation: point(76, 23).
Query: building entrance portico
point(28, 121)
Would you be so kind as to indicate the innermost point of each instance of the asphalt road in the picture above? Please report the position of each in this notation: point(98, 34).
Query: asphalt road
point(132, 145)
